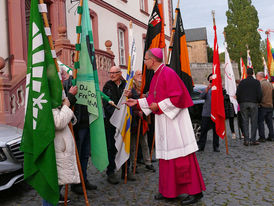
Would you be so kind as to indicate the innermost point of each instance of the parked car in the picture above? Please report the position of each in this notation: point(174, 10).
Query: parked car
point(196, 110)
point(11, 158)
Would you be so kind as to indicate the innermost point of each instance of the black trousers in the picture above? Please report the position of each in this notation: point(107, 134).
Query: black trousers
point(110, 132)
point(208, 124)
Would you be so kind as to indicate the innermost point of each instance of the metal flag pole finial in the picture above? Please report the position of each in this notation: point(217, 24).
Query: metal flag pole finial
point(213, 15)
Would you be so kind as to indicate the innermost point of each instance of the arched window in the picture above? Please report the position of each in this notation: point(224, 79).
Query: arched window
point(122, 44)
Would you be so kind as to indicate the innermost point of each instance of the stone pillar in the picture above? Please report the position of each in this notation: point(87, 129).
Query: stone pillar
point(64, 49)
point(17, 39)
point(57, 16)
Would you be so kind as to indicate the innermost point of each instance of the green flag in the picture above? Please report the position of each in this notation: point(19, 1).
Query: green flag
point(89, 92)
point(43, 92)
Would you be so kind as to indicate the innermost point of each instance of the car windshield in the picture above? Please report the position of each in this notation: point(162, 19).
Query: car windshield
point(197, 90)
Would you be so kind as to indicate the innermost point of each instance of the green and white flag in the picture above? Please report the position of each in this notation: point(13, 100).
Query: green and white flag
point(88, 90)
point(43, 93)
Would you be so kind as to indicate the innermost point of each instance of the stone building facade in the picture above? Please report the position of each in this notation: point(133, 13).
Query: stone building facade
point(197, 45)
point(110, 20)
point(200, 72)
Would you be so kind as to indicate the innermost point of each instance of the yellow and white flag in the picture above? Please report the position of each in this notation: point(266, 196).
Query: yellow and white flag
point(121, 119)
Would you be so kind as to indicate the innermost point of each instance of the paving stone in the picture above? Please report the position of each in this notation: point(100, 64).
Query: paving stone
point(243, 177)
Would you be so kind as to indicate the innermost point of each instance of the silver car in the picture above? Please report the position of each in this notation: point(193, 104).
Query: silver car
point(11, 158)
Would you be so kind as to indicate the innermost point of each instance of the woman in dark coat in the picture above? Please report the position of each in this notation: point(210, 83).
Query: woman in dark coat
point(229, 113)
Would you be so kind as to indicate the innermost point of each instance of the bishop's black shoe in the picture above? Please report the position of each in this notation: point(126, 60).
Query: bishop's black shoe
point(192, 199)
point(150, 167)
point(159, 196)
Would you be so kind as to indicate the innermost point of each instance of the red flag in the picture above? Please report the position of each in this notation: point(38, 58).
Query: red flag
point(217, 98)
point(243, 69)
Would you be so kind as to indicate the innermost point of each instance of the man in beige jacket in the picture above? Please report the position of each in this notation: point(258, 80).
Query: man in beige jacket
point(266, 108)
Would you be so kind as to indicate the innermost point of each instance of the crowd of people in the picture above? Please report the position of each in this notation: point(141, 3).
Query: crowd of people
point(165, 106)
point(255, 98)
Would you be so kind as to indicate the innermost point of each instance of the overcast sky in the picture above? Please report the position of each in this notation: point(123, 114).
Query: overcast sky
point(197, 13)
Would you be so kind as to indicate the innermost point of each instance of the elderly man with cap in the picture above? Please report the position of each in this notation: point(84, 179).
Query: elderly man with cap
point(207, 122)
point(175, 143)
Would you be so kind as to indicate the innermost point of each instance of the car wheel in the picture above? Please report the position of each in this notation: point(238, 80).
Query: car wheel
point(197, 129)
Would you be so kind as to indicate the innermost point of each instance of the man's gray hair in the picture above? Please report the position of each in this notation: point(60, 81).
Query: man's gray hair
point(261, 74)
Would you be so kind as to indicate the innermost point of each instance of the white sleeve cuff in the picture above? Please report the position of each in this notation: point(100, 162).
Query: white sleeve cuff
point(144, 106)
point(168, 108)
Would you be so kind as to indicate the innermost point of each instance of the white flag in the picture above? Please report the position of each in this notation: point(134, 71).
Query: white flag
point(266, 75)
point(121, 119)
point(230, 84)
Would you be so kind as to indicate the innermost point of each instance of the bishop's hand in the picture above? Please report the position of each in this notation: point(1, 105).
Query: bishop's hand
point(154, 107)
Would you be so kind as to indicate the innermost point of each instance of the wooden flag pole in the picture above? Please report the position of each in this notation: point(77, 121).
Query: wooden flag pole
point(226, 144)
point(137, 145)
point(172, 33)
point(152, 146)
point(76, 56)
point(76, 59)
point(46, 24)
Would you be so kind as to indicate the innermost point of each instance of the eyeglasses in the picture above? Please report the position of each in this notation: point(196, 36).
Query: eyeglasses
point(113, 72)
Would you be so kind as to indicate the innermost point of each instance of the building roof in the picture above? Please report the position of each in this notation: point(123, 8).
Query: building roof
point(196, 34)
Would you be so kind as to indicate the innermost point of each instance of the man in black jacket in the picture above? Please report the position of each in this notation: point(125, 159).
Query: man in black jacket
point(114, 89)
point(249, 95)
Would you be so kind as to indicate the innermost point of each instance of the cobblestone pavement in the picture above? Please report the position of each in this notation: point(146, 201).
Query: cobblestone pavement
point(244, 177)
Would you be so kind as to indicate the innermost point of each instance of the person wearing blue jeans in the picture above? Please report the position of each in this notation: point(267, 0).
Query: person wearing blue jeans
point(207, 123)
point(82, 138)
point(265, 114)
point(83, 145)
point(81, 132)
point(266, 108)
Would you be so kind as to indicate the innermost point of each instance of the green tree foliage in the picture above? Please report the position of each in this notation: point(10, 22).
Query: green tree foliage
point(222, 57)
point(241, 30)
point(209, 54)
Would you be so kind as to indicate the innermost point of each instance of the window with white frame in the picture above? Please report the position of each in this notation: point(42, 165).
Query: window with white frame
point(122, 53)
point(142, 5)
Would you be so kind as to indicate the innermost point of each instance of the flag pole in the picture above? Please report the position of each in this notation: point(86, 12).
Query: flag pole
point(76, 151)
point(45, 18)
point(172, 33)
point(46, 23)
point(137, 145)
point(76, 56)
point(76, 59)
point(152, 146)
point(226, 144)
point(128, 71)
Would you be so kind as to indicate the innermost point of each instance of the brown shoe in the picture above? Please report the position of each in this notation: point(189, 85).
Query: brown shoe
point(254, 143)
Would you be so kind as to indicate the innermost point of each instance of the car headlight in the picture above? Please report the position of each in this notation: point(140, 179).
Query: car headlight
point(2, 155)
